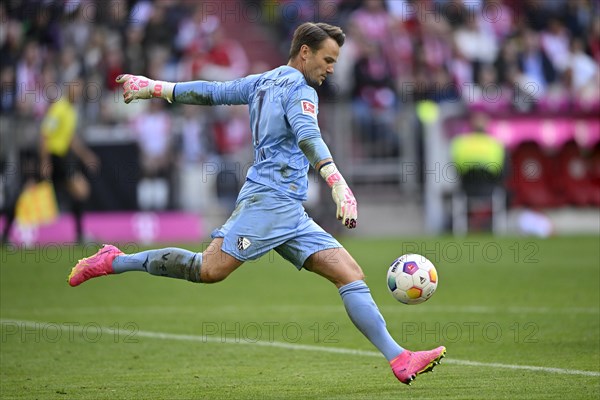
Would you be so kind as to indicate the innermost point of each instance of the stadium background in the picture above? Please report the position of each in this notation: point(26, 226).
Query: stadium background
point(459, 57)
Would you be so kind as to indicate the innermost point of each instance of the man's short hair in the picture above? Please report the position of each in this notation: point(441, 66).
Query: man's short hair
point(313, 35)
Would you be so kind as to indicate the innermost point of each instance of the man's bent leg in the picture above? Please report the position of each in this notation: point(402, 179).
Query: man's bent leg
point(338, 266)
point(213, 265)
point(171, 262)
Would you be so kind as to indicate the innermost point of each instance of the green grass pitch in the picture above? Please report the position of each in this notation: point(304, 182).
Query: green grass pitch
point(520, 318)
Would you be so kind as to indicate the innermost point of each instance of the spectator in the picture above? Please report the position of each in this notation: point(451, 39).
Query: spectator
point(69, 65)
point(435, 39)
point(476, 43)
point(584, 78)
point(555, 43)
point(93, 54)
point(232, 132)
point(153, 131)
point(578, 15)
point(536, 13)
point(507, 62)
point(197, 164)
point(399, 51)
point(233, 142)
point(462, 70)
point(157, 31)
point(196, 136)
point(225, 59)
point(343, 79)
point(11, 40)
point(7, 90)
point(28, 76)
point(134, 54)
point(582, 67)
point(375, 102)
point(79, 31)
point(193, 34)
point(113, 15)
point(498, 18)
point(373, 21)
point(593, 40)
point(488, 94)
point(43, 28)
point(455, 12)
point(112, 65)
point(536, 68)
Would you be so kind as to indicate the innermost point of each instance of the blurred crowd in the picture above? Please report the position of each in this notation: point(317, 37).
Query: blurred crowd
point(45, 45)
point(478, 51)
point(494, 56)
point(497, 56)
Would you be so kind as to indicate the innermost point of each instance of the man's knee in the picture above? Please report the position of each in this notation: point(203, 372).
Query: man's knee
point(216, 269)
point(211, 275)
point(358, 275)
point(352, 273)
point(216, 264)
point(338, 267)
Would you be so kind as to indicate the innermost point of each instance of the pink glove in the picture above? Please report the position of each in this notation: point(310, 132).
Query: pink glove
point(139, 87)
point(347, 207)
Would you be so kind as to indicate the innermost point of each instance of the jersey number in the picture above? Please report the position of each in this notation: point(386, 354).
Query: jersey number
point(261, 98)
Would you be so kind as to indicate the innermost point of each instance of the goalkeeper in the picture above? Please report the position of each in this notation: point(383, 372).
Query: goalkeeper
point(269, 214)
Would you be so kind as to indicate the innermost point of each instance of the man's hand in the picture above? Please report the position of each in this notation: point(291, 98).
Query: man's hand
point(139, 87)
point(347, 207)
point(346, 204)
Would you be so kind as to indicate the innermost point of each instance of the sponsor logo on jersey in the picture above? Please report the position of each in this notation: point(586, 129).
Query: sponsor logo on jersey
point(309, 108)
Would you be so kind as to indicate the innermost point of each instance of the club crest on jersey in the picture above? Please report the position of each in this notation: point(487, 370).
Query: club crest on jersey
point(309, 108)
point(243, 243)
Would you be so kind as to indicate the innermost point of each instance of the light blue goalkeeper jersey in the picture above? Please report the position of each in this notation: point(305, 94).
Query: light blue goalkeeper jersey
point(283, 112)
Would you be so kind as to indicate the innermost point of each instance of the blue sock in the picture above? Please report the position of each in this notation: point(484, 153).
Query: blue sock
point(366, 316)
point(171, 262)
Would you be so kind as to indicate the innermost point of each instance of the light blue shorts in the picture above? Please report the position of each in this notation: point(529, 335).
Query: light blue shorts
point(265, 219)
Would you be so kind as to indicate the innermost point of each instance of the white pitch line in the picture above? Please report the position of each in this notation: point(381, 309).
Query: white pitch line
point(283, 345)
point(385, 308)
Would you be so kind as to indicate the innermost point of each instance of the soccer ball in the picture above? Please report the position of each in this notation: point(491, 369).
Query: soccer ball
point(412, 279)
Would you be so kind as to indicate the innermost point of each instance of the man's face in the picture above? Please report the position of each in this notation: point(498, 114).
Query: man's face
point(319, 64)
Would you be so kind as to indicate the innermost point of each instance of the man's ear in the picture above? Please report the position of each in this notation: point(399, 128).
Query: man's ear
point(304, 50)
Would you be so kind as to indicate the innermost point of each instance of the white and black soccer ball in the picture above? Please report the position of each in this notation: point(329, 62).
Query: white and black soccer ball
point(412, 279)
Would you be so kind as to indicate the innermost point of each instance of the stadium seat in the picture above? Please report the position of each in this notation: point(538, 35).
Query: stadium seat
point(593, 172)
point(570, 175)
point(531, 177)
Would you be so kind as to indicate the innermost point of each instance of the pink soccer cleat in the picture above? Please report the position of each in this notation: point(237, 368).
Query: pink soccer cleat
point(409, 364)
point(97, 265)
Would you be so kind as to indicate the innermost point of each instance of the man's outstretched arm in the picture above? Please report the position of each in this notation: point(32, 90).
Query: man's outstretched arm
point(320, 158)
point(194, 92)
